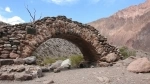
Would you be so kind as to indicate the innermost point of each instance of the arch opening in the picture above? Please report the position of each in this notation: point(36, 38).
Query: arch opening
point(57, 47)
point(86, 48)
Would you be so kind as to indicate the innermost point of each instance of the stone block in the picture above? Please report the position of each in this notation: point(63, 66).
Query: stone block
point(4, 56)
point(31, 31)
point(1, 42)
point(1, 46)
point(16, 42)
point(5, 38)
point(6, 61)
point(7, 45)
point(13, 55)
point(5, 52)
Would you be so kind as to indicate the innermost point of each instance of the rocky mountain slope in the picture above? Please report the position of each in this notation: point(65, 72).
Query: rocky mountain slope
point(128, 27)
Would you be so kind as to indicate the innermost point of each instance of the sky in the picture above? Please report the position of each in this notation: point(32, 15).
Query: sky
point(85, 11)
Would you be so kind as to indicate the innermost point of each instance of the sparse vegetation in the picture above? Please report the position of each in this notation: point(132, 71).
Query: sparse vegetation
point(75, 60)
point(126, 52)
point(48, 60)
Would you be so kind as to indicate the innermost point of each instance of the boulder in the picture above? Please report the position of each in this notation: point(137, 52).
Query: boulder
point(66, 64)
point(140, 65)
point(111, 57)
point(30, 60)
point(55, 65)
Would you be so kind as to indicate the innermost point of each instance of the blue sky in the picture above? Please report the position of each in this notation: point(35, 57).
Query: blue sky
point(85, 11)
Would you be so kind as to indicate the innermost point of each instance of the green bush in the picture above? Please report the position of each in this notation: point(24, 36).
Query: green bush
point(125, 52)
point(75, 60)
point(48, 60)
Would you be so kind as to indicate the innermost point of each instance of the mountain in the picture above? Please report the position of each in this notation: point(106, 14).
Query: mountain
point(128, 27)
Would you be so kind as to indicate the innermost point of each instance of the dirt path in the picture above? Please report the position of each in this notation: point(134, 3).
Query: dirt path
point(103, 75)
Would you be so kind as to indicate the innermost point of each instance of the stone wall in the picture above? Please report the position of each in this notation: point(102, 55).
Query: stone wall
point(22, 39)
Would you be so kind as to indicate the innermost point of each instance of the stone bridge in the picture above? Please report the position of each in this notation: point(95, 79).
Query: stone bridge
point(22, 39)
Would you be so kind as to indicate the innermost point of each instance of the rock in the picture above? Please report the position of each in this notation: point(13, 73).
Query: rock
point(5, 52)
point(19, 61)
point(30, 60)
point(20, 69)
point(103, 79)
point(45, 69)
point(84, 64)
point(13, 55)
point(4, 56)
point(140, 65)
point(7, 45)
point(57, 70)
point(66, 64)
point(23, 76)
point(55, 65)
point(48, 82)
point(104, 64)
point(111, 57)
point(125, 62)
point(36, 72)
point(7, 76)
point(6, 62)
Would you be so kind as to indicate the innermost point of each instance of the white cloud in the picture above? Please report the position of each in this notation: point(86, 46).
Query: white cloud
point(61, 2)
point(7, 9)
point(13, 20)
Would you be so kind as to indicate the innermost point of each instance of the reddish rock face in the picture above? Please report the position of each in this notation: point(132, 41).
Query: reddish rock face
point(128, 27)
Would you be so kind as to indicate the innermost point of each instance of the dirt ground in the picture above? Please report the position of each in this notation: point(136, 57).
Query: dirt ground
point(116, 74)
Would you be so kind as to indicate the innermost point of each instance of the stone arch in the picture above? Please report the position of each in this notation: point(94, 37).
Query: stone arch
point(92, 45)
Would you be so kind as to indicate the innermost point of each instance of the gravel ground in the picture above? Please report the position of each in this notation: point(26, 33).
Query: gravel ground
point(102, 75)
point(116, 74)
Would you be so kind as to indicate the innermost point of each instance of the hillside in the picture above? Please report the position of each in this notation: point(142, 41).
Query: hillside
point(128, 27)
